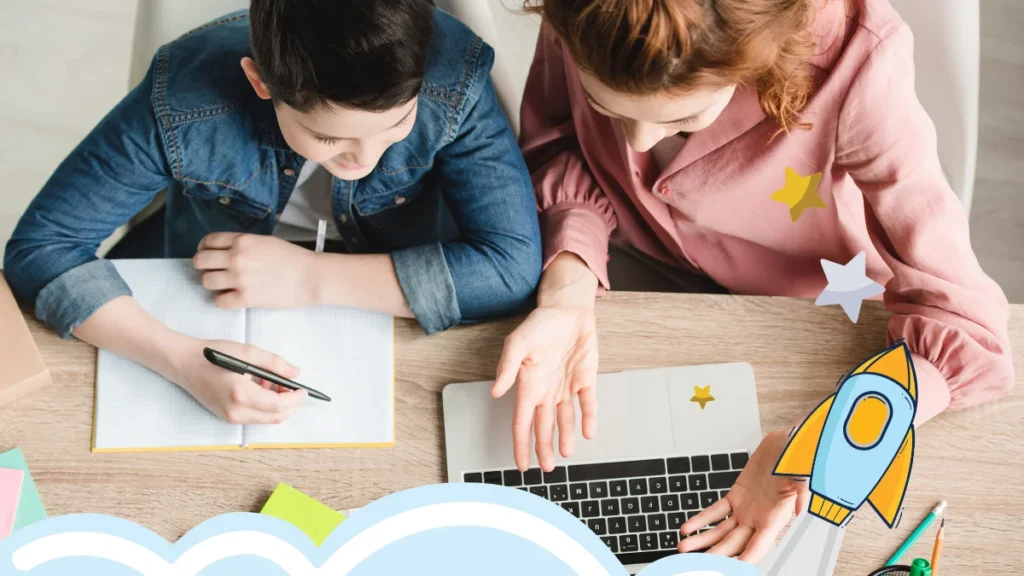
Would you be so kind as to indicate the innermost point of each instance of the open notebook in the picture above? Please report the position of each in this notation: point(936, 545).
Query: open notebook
point(346, 354)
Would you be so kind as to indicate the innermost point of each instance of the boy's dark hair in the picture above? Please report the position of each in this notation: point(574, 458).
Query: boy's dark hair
point(363, 54)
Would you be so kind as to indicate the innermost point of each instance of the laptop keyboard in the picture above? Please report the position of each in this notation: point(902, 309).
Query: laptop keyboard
point(636, 507)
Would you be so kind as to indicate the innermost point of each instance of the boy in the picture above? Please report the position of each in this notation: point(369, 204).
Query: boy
point(376, 116)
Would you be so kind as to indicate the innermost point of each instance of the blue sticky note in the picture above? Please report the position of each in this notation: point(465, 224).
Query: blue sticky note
point(30, 507)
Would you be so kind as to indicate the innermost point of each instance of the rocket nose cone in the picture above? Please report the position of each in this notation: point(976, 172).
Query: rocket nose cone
point(895, 363)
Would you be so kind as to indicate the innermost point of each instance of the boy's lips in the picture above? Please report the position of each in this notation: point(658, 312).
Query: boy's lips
point(352, 167)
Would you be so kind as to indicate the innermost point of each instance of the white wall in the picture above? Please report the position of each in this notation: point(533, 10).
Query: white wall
point(63, 65)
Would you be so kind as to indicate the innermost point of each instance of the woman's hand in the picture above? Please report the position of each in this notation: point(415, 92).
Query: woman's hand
point(759, 505)
point(552, 359)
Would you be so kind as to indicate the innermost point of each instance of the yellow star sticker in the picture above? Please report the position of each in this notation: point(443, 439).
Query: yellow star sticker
point(799, 193)
point(702, 395)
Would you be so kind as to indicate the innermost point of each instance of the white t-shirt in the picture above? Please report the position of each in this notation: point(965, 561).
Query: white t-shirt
point(666, 150)
point(309, 203)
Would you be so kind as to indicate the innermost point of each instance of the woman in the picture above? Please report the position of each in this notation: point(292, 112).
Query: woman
point(737, 143)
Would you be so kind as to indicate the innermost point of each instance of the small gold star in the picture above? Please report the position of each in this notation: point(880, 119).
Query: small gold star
point(799, 193)
point(702, 395)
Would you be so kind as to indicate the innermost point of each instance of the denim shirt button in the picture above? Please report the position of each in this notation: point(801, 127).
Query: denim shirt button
point(225, 200)
point(400, 200)
point(343, 218)
point(289, 172)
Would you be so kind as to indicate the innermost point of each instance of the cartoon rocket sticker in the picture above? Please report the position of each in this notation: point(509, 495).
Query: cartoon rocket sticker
point(858, 445)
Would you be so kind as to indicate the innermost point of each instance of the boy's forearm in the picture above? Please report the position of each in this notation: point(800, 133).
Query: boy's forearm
point(363, 281)
point(123, 327)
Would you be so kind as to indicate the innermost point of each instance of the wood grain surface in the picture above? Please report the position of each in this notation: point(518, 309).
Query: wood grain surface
point(974, 458)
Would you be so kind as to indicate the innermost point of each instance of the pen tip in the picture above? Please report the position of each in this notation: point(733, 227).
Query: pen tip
point(943, 523)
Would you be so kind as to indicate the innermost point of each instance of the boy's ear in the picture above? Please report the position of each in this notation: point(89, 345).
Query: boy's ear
point(252, 72)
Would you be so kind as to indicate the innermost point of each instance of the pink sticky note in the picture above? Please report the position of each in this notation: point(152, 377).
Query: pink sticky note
point(10, 493)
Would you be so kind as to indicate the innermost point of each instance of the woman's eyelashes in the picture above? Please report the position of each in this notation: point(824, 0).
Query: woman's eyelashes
point(695, 119)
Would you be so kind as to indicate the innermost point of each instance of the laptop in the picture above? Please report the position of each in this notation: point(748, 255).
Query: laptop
point(670, 442)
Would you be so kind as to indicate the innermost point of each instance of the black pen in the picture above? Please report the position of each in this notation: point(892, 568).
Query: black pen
point(245, 369)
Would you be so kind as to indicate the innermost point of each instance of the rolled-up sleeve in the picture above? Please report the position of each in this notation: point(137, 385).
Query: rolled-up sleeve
point(492, 269)
point(428, 286)
point(109, 177)
point(952, 315)
point(73, 296)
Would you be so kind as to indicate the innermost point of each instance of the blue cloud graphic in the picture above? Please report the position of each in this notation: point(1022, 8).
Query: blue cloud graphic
point(442, 529)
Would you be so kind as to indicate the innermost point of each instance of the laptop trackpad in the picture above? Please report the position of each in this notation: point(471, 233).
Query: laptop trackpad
point(634, 422)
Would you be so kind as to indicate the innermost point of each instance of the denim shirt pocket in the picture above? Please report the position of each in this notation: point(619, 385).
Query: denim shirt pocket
point(221, 206)
point(387, 188)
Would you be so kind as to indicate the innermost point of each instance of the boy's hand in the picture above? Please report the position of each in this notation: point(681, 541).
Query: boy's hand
point(759, 504)
point(255, 271)
point(236, 398)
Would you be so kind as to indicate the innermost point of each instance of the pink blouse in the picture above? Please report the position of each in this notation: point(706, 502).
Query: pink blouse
point(872, 155)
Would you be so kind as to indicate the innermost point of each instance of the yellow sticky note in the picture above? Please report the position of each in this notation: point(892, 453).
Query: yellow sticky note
point(310, 516)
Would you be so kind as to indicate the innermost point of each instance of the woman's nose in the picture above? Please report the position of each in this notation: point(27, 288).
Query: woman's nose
point(642, 136)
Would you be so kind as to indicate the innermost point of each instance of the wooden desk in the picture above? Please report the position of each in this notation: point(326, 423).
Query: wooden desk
point(973, 459)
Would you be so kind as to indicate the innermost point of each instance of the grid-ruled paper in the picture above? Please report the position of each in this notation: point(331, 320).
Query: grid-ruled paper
point(137, 409)
point(346, 354)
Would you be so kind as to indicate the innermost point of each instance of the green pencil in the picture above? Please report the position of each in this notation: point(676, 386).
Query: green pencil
point(937, 511)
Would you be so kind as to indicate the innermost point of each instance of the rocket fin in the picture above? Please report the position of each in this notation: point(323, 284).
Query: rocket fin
point(887, 497)
point(894, 363)
point(798, 457)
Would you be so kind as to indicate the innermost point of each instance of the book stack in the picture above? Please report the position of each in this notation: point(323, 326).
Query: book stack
point(19, 501)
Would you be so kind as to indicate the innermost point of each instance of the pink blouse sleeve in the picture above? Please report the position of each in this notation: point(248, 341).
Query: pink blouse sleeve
point(953, 316)
point(575, 215)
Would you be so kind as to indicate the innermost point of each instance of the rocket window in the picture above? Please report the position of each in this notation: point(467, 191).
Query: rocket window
point(867, 421)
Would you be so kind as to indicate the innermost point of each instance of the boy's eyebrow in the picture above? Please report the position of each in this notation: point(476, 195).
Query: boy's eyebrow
point(328, 137)
point(595, 101)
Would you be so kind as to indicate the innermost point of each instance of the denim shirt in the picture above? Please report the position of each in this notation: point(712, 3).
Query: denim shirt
point(195, 127)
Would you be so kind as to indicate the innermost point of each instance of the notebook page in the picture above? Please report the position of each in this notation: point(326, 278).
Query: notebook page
point(135, 407)
point(346, 354)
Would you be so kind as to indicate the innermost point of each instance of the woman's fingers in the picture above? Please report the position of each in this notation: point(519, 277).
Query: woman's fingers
point(707, 539)
point(522, 422)
point(734, 542)
point(759, 545)
point(543, 431)
point(713, 513)
point(566, 427)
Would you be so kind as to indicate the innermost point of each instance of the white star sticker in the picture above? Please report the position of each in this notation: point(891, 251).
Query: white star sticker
point(848, 285)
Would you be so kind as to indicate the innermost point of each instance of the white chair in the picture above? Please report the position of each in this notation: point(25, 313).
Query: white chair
point(947, 40)
point(513, 35)
point(160, 21)
point(947, 48)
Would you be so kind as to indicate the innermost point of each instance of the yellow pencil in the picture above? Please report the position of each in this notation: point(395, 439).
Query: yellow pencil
point(937, 551)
